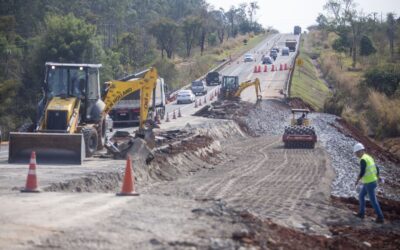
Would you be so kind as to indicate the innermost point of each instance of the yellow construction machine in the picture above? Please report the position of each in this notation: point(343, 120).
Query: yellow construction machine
point(300, 133)
point(231, 89)
point(71, 122)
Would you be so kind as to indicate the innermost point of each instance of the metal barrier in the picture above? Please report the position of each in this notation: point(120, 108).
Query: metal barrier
point(288, 83)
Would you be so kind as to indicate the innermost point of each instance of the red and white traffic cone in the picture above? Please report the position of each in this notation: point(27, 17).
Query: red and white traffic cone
point(179, 112)
point(167, 119)
point(31, 185)
point(173, 115)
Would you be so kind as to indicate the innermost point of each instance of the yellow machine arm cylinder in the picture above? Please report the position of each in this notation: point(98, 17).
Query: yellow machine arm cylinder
point(119, 89)
point(247, 84)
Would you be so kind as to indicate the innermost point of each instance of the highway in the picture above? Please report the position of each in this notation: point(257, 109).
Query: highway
point(271, 82)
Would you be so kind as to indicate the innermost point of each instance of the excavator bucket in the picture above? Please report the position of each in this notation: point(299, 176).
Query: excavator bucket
point(56, 148)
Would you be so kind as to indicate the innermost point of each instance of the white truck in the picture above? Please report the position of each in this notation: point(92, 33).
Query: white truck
point(127, 111)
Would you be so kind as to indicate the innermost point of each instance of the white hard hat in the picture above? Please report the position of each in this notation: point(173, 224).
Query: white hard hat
point(358, 147)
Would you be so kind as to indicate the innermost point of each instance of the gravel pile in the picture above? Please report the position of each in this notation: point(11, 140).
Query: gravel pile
point(271, 117)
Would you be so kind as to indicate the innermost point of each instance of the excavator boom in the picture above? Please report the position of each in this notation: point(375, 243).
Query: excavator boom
point(120, 89)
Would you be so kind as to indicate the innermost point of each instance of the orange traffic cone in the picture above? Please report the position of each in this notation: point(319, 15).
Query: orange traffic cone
point(273, 67)
point(265, 68)
point(128, 186)
point(255, 69)
point(285, 68)
point(31, 185)
point(280, 67)
point(173, 115)
point(179, 112)
point(167, 119)
point(259, 68)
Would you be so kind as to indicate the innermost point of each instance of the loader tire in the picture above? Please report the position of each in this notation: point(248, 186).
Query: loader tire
point(91, 141)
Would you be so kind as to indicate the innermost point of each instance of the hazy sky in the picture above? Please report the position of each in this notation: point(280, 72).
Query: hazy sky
point(284, 14)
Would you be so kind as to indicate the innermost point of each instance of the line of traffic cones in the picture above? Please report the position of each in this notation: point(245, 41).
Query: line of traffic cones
point(282, 67)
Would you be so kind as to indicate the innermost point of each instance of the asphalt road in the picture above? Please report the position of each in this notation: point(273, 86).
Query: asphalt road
point(271, 82)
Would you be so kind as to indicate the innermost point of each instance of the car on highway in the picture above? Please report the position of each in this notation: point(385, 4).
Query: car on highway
point(248, 58)
point(267, 60)
point(199, 87)
point(273, 53)
point(285, 51)
point(213, 78)
point(185, 96)
point(276, 48)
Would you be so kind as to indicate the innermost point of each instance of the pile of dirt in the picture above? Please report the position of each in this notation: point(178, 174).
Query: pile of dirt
point(268, 235)
point(393, 146)
point(390, 208)
point(371, 146)
point(298, 103)
point(229, 109)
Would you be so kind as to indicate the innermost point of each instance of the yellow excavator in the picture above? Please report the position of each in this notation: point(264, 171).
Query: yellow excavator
point(231, 89)
point(71, 122)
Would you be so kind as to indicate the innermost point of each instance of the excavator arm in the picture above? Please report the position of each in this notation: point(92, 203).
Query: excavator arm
point(119, 89)
point(247, 84)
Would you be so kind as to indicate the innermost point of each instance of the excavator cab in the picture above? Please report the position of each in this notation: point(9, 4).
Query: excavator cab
point(229, 86)
point(77, 82)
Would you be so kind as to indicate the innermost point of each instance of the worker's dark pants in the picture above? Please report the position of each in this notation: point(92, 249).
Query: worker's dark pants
point(369, 189)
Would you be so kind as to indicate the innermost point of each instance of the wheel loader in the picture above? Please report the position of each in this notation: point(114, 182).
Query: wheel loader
point(300, 133)
point(231, 89)
point(71, 122)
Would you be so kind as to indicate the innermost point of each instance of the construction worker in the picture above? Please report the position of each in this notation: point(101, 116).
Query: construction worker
point(369, 176)
point(300, 120)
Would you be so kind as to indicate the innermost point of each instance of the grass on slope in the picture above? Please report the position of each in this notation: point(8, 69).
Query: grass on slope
point(306, 83)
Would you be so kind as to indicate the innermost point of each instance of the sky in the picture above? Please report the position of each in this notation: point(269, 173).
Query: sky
point(284, 14)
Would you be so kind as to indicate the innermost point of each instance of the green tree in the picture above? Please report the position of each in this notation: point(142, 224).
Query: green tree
point(385, 79)
point(190, 27)
point(68, 39)
point(366, 46)
point(166, 32)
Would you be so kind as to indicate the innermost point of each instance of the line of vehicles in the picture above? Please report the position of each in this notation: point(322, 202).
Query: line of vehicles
point(290, 46)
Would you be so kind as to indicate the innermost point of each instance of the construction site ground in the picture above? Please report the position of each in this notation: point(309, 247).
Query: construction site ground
point(224, 182)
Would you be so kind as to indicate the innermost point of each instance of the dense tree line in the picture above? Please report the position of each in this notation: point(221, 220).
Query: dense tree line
point(123, 35)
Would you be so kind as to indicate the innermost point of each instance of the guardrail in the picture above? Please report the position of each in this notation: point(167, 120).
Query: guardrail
point(288, 83)
point(172, 96)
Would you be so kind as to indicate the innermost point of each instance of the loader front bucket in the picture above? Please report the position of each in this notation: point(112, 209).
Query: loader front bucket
point(56, 148)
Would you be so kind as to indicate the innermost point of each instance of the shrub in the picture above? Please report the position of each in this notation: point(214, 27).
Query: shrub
point(366, 46)
point(383, 115)
point(335, 104)
point(385, 79)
